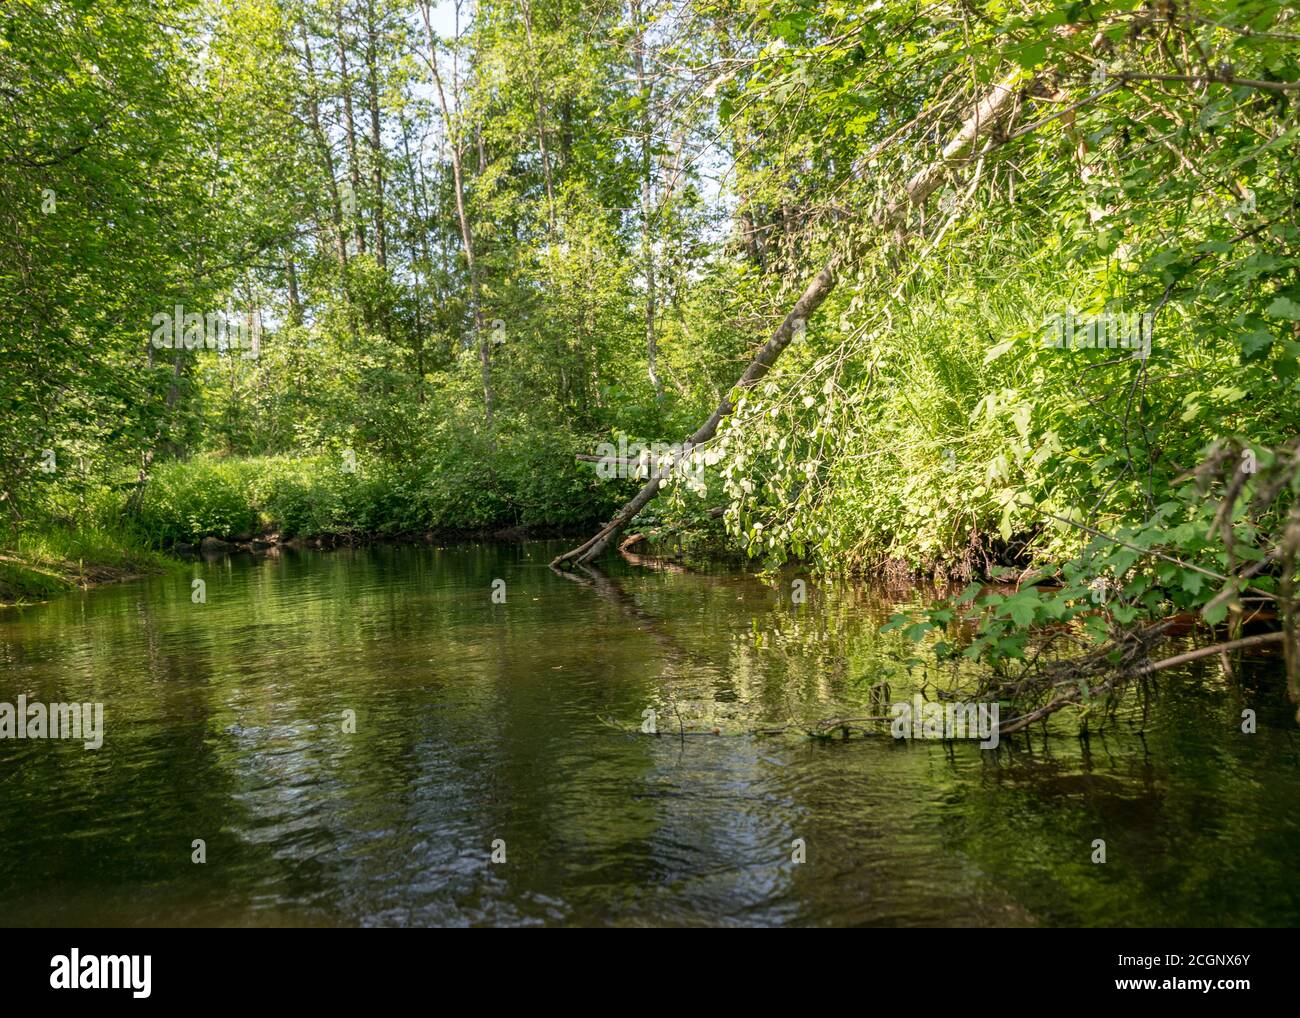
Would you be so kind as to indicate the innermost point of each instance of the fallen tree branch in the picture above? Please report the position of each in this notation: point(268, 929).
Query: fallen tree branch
point(985, 118)
point(1218, 648)
point(812, 298)
point(1078, 675)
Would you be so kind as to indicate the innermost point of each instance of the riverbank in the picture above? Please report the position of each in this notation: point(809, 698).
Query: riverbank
point(48, 560)
point(268, 541)
point(54, 559)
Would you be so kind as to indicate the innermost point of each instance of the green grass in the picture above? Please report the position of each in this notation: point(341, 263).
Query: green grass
point(48, 559)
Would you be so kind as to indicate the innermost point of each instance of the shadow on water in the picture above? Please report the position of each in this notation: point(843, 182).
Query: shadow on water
point(479, 722)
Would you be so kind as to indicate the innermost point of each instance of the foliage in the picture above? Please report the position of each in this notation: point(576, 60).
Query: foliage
point(478, 247)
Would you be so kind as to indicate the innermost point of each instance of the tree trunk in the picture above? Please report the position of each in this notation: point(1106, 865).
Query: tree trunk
point(327, 154)
point(376, 143)
point(647, 197)
point(539, 113)
point(327, 157)
point(295, 302)
point(476, 307)
point(420, 258)
point(350, 132)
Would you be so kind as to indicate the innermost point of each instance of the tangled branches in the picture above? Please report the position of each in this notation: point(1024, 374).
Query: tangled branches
point(1260, 491)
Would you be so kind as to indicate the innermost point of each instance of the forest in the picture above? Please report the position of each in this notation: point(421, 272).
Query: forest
point(476, 249)
point(1000, 298)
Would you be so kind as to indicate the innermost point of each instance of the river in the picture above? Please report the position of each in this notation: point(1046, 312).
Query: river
point(353, 735)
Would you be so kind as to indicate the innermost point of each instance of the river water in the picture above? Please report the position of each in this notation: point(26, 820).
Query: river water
point(513, 729)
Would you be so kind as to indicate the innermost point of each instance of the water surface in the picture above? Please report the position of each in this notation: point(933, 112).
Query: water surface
point(479, 722)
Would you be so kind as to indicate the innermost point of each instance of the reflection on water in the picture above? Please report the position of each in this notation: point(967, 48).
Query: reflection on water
point(478, 721)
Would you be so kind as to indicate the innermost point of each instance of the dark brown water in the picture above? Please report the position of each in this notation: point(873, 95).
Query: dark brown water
point(478, 721)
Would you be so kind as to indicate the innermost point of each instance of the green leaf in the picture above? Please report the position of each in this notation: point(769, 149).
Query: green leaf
point(1215, 613)
point(1284, 307)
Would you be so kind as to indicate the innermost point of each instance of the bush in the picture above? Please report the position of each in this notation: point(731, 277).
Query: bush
point(184, 502)
point(458, 483)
